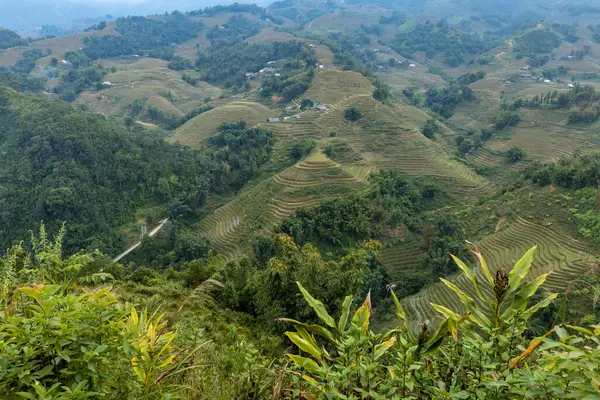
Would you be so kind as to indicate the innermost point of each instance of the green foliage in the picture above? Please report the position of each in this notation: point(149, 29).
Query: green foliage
point(515, 154)
point(241, 151)
point(302, 148)
point(570, 32)
point(11, 39)
point(27, 63)
point(444, 101)
point(227, 66)
point(352, 114)
point(93, 173)
point(477, 352)
point(443, 236)
point(233, 31)
point(506, 119)
point(60, 344)
point(294, 82)
point(381, 93)
point(536, 41)
point(306, 104)
point(439, 38)
point(430, 129)
point(272, 284)
point(470, 78)
point(339, 223)
point(139, 35)
point(20, 82)
point(578, 171)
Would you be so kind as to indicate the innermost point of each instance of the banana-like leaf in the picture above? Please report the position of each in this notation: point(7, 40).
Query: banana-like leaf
point(520, 270)
point(361, 316)
point(436, 340)
point(381, 348)
point(317, 306)
point(313, 328)
point(345, 313)
point(445, 311)
point(486, 271)
point(470, 274)
point(399, 310)
point(304, 345)
point(519, 301)
point(580, 330)
point(402, 316)
point(542, 304)
point(303, 362)
point(464, 298)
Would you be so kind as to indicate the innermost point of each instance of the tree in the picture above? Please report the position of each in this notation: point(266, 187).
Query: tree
point(430, 129)
point(515, 154)
point(381, 93)
point(306, 104)
point(352, 114)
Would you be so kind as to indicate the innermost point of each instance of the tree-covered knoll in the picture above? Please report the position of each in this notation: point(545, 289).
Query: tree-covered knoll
point(233, 31)
point(139, 35)
point(396, 203)
point(438, 39)
point(62, 164)
point(228, 66)
point(20, 82)
point(535, 41)
point(9, 39)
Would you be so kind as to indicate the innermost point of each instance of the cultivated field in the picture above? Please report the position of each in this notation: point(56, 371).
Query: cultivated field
point(146, 78)
point(201, 127)
point(565, 258)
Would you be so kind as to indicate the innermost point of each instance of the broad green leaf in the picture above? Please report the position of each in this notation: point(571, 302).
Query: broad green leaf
point(580, 329)
point(437, 338)
point(399, 311)
point(542, 304)
point(478, 317)
point(520, 270)
point(345, 313)
point(519, 301)
point(445, 311)
point(304, 345)
point(313, 328)
point(303, 362)
point(486, 271)
point(317, 306)
point(381, 348)
point(361, 316)
point(470, 274)
point(464, 298)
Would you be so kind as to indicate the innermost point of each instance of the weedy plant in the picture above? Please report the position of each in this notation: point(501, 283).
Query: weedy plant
point(479, 353)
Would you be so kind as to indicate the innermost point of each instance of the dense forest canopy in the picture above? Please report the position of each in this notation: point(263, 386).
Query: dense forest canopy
point(140, 35)
point(439, 39)
point(9, 38)
point(63, 164)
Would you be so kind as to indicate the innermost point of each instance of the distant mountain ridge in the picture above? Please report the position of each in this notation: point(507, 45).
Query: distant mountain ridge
point(30, 14)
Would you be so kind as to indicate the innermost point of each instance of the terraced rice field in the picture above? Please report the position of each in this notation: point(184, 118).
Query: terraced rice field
point(389, 138)
point(224, 227)
point(150, 79)
point(200, 128)
point(259, 210)
point(563, 257)
point(330, 86)
point(401, 257)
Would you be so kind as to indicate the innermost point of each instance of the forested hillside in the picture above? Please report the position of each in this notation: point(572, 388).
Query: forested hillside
point(310, 200)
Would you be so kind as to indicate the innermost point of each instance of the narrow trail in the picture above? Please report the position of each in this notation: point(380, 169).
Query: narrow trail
point(135, 246)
